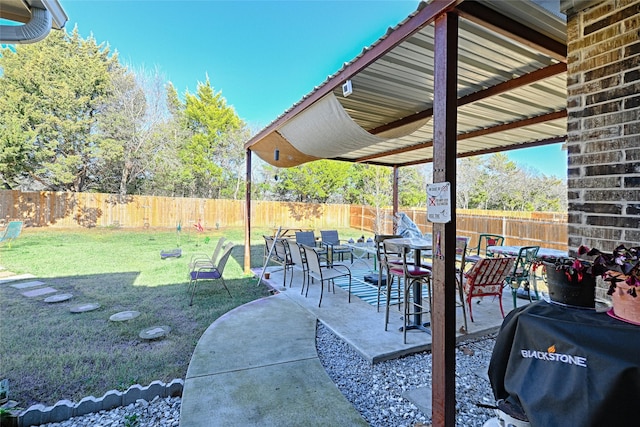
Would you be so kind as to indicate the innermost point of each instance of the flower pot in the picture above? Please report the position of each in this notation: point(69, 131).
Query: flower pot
point(570, 291)
point(626, 307)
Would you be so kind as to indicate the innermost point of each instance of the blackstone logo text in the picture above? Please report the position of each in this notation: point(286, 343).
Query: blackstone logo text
point(552, 356)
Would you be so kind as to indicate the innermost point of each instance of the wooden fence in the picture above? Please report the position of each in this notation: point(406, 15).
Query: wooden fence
point(547, 229)
point(61, 209)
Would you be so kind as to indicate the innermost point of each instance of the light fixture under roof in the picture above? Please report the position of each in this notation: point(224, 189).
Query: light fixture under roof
point(347, 89)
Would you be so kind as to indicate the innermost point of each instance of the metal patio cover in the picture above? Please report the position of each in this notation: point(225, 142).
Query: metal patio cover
point(511, 91)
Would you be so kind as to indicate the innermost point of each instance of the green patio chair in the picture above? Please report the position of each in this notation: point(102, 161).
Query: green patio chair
point(476, 253)
point(523, 272)
point(11, 232)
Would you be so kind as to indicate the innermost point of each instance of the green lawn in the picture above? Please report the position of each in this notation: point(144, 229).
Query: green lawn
point(49, 354)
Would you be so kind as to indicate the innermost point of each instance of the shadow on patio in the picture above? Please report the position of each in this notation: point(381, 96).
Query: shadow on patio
point(362, 326)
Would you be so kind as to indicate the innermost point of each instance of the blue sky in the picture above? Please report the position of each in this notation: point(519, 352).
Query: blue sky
point(263, 56)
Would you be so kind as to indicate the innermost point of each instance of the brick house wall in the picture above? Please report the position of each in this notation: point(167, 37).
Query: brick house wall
point(603, 125)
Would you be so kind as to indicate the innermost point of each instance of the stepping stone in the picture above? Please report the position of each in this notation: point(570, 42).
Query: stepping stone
point(17, 277)
point(124, 315)
point(85, 307)
point(26, 285)
point(39, 292)
point(154, 332)
point(58, 298)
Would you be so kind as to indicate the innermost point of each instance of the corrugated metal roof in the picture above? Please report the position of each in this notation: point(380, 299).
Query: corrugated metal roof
point(511, 85)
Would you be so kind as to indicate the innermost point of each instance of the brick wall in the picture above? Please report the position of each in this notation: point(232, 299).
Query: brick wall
point(603, 101)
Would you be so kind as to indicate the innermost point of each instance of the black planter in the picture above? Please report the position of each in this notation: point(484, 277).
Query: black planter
point(569, 290)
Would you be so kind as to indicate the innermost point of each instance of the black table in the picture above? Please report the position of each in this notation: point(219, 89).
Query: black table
point(568, 366)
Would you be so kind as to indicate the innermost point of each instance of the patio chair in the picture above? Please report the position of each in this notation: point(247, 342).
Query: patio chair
point(461, 251)
point(522, 271)
point(210, 273)
point(486, 278)
point(324, 273)
point(331, 240)
point(204, 259)
point(298, 263)
point(476, 253)
point(411, 275)
point(308, 238)
point(11, 232)
point(393, 261)
point(278, 253)
point(383, 266)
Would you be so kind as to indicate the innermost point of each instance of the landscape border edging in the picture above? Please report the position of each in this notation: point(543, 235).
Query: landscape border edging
point(65, 409)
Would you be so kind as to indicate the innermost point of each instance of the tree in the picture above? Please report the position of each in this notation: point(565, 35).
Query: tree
point(50, 95)
point(15, 144)
point(374, 187)
point(215, 130)
point(412, 189)
point(233, 163)
point(321, 181)
point(131, 136)
point(495, 182)
point(468, 174)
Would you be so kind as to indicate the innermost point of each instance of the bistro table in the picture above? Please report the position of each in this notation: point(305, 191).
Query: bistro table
point(567, 366)
point(418, 245)
point(360, 250)
point(288, 231)
point(543, 253)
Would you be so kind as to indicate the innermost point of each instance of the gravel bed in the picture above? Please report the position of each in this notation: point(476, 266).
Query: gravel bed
point(376, 391)
point(160, 412)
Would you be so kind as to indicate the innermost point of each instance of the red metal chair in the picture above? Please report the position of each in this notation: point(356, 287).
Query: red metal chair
point(486, 278)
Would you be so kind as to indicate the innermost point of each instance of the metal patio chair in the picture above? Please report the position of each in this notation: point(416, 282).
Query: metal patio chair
point(11, 232)
point(324, 273)
point(486, 278)
point(523, 272)
point(200, 273)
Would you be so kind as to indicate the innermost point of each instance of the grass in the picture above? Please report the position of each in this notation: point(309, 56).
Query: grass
point(49, 353)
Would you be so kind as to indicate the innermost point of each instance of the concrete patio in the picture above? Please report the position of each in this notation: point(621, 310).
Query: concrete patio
point(362, 326)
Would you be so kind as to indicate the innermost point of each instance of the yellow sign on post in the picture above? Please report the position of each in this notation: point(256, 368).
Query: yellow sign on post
point(439, 202)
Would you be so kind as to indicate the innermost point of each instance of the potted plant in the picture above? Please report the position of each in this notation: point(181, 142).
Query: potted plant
point(621, 268)
point(571, 278)
point(570, 281)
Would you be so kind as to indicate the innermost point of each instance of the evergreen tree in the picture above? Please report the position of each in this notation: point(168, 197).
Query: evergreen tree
point(51, 93)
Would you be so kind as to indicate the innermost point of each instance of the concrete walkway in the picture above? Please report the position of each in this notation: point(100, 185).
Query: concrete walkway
point(258, 365)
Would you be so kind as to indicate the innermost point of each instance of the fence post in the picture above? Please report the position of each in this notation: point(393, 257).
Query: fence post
point(504, 227)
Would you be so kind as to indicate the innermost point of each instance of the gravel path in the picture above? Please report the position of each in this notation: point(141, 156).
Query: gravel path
point(376, 391)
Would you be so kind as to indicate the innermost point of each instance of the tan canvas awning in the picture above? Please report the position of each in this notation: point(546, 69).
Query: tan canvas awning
point(511, 91)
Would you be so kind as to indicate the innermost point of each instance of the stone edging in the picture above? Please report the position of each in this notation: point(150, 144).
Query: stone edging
point(65, 409)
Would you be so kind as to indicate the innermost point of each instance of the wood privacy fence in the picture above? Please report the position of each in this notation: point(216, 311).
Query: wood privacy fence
point(547, 229)
point(62, 209)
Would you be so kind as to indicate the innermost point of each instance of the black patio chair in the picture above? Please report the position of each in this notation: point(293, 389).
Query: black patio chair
point(331, 240)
